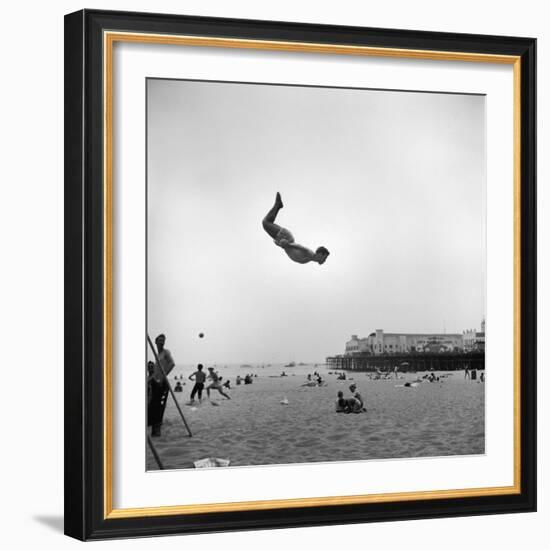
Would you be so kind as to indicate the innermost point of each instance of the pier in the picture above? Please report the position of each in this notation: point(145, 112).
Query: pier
point(411, 362)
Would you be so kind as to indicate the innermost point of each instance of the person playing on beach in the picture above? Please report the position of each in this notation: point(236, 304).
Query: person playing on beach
point(467, 372)
point(284, 238)
point(200, 377)
point(159, 385)
point(215, 384)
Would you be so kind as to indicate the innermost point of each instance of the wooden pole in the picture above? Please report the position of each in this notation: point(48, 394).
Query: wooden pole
point(155, 453)
point(169, 386)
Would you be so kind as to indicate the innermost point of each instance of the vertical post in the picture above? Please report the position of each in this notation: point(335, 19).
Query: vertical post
point(155, 453)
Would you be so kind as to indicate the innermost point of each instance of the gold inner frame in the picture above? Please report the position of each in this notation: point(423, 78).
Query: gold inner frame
point(109, 39)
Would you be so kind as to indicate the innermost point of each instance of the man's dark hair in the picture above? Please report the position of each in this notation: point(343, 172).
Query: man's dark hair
point(199, 366)
point(159, 337)
point(322, 250)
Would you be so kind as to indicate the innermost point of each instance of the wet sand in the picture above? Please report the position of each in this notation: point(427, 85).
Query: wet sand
point(254, 428)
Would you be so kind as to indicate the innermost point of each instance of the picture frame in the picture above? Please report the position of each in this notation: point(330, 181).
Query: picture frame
point(90, 293)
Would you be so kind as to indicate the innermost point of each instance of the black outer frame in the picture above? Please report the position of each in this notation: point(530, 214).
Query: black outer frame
point(84, 515)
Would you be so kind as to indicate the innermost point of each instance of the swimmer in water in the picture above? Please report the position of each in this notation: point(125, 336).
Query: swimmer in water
point(284, 238)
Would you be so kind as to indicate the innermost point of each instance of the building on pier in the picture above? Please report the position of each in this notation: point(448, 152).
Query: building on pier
point(380, 343)
point(474, 340)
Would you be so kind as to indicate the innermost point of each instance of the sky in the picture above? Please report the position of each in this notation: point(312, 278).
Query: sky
point(391, 182)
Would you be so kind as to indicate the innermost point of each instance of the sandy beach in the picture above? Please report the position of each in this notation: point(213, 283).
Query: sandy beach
point(254, 428)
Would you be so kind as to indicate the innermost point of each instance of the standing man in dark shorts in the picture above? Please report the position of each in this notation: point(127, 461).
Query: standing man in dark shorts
point(158, 386)
point(200, 377)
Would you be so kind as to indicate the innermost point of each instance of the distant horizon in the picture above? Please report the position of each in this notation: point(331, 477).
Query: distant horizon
point(307, 361)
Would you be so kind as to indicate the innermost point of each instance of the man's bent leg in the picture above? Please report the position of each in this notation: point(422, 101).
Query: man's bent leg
point(224, 394)
point(269, 221)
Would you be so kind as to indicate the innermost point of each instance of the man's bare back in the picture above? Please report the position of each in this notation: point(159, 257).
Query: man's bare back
point(284, 238)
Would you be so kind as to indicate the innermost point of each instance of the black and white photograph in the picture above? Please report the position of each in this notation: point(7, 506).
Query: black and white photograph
point(316, 274)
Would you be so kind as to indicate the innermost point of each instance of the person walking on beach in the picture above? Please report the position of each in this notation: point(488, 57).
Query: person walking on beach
point(200, 377)
point(467, 372)
point(215, 384)
point(158, 386)
point(284, 238)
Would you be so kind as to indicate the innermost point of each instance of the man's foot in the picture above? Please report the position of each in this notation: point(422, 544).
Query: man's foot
point(278, 200)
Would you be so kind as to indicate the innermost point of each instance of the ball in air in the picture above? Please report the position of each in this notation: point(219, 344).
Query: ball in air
point(201, 334)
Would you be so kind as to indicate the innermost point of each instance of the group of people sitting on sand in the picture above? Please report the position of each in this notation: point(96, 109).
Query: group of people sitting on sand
point(431, 377)
point(383, 375)
point(313, 383)
point(246, 380)
point(353, 404)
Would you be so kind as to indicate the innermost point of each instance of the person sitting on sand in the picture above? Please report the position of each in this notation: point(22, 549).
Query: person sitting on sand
point(227, 384)
point(341, 403)
point(215, 384)
point(357, 396)
point(179, 387)
point(284, 238)
point(200, 377)
point(349, 405)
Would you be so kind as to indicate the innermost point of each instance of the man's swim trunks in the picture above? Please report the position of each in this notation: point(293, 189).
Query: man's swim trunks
point(284, 234)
